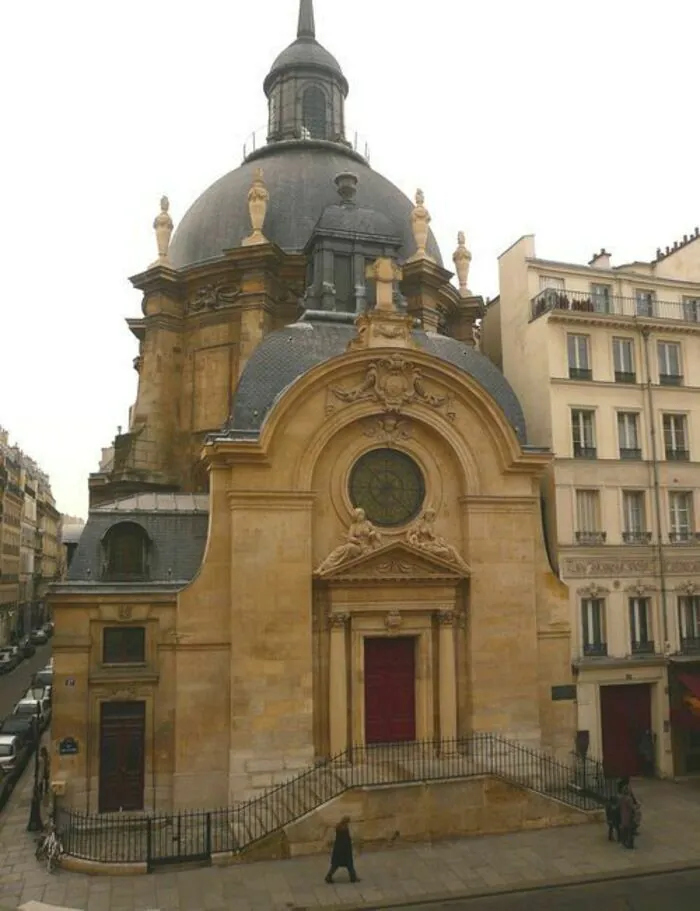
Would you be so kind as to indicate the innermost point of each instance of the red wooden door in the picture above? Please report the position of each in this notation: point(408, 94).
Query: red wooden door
point(626, 716)
point(390, 690)
point(122, 753)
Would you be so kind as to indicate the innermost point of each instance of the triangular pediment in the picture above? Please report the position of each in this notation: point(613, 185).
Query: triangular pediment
point(399, 561)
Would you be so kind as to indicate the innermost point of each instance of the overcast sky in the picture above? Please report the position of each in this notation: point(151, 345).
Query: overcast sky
point(577, 121)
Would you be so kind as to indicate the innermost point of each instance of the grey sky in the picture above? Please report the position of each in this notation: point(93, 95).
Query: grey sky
point(573, 120)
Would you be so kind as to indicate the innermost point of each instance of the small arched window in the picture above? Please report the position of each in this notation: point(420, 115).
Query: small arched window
point(126, 553)
point(313, 114)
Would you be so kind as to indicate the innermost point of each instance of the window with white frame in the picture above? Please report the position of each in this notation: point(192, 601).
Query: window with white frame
point(691, 309)
point(583, 433)
point(628, 434)
point(669, 357)
point(588, 517)
point(554, 283)
point(602, 297)
point(578, 348)
point(644, 302)
point(634, 520)
point(623, 360)
point(593, 626)
point(680, 515)
point(640, 625)
point(675, 427)
point(689, 620)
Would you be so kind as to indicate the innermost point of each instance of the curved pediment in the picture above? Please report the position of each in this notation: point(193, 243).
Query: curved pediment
point(398, 561)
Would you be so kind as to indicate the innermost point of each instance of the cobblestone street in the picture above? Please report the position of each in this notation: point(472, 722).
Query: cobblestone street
point(670, 838)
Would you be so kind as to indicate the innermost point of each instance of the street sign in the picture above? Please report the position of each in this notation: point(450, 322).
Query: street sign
point(68, 747)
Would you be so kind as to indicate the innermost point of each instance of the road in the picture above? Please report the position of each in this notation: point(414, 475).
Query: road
point(676, 891)
point(15, 684)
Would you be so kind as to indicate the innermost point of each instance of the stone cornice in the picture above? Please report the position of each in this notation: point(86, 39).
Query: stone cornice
point(222, 453)
point(492, 503)
point(625, 323)
point(78, 593)
point(270, 499)
point(159, 278)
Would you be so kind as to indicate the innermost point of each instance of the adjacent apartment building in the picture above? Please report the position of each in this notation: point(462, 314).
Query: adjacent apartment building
point(606, 362)
point(30, 541)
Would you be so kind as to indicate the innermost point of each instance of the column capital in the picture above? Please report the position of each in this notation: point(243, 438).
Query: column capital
point(338, 621)
point(446, 617)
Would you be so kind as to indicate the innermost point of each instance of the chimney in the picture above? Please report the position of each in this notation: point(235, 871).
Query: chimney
point(600, 260)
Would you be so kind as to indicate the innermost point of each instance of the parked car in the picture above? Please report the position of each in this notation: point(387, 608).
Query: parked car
point(48, 628)
point(7, 783)
point(27, 647)
point(38, 637)
point(7, 663)
point(40, 694)
point(44, 677)
point(14, 754)
point(32, 708)
point(21, 726)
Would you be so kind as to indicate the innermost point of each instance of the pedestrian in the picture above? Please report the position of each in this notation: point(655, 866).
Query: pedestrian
point(45, 769)
point(627, 815)
point(342, 851)
point(612, 817)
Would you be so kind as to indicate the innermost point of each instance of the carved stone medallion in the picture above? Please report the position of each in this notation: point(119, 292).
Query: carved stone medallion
point(211, 297)
point(125, 612)
point(393, 621)
point(387, 429)
point(393, 382)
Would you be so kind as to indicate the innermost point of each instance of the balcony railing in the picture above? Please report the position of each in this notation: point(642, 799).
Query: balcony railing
point(677, 455)
point(584, 452)
point(690, 645)
point(670, 379)
point(580, 373)
point(621, 376)
point(645, 647)
point(351, 140)
point(683, 537)
point(591, 537)
point(595, 649)
point(636, 537)
point(583, 302)
point(631, 454)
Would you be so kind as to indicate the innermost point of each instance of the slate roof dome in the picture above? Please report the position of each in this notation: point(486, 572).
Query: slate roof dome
point(285, 355)
point(305, 151)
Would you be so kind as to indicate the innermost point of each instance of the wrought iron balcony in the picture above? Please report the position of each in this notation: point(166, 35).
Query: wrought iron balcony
point(690, 645)
point(671, 379)
point(580, 373)
point(553, 299)
point(621, 376)
point(677, 455)
point(631, 454)
point(584, 452)
point(636, 537)
point(645, 647)
point(683, 537)
point(595, 649)
point(591, 537)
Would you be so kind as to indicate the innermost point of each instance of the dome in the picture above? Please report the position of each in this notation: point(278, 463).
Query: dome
point(287, 354)
point(299, 176)
point(303, 53)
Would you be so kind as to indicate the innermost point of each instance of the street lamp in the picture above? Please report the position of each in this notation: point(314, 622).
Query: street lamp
point(35, 823)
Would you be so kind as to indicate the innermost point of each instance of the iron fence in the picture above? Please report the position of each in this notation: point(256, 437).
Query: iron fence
point(195, 835)
point(549, 299)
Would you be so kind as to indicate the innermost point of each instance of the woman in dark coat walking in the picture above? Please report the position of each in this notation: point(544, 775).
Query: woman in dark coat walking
point(342, 851)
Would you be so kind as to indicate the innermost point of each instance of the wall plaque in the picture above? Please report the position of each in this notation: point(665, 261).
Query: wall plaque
point(564, 693)
point(68, 747)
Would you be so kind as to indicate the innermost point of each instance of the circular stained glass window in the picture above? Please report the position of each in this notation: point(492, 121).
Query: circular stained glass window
point(388, 485)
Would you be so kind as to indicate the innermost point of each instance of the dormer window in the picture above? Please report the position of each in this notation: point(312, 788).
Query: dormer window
point(313, 113)
point(126, 551)
point(343, 281)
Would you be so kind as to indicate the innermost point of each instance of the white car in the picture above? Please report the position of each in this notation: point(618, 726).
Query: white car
point(31, 708)
point(10, 754)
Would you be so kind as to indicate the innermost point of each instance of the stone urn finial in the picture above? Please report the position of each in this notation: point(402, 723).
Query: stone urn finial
point(163, 226)
point(462, 259)
point(258, 198)
point(420, 223)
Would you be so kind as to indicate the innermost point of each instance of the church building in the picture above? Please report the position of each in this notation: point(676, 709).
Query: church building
point(322, 526)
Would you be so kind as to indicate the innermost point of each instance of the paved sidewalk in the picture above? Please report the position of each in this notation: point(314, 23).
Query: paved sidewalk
point(670, 837)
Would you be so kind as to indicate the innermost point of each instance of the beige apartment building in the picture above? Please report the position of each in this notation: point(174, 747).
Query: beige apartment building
point(606, 363)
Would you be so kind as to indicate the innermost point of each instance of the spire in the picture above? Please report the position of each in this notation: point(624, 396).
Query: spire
point(307, 27)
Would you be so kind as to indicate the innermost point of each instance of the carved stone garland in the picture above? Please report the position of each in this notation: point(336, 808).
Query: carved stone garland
point(213, 297)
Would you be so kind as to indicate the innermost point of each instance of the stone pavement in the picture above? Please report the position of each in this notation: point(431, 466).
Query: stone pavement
point(404, 874)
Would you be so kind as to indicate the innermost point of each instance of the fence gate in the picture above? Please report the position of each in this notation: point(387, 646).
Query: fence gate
point(180, 838)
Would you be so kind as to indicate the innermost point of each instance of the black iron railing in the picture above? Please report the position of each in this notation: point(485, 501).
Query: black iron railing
point(690, 645)
point(643, 647)
point(636, 537)
point(591, 537)
point(677, 455)
point(630, 454)
point(595, 649)
point(683, 537)
point(612, 305)
point(157, 839)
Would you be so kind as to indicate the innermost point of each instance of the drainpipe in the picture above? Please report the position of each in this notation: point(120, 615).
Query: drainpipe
point(657, 487)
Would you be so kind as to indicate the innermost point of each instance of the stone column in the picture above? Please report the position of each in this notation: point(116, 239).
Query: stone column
point(448, 675)
point(338, 685)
